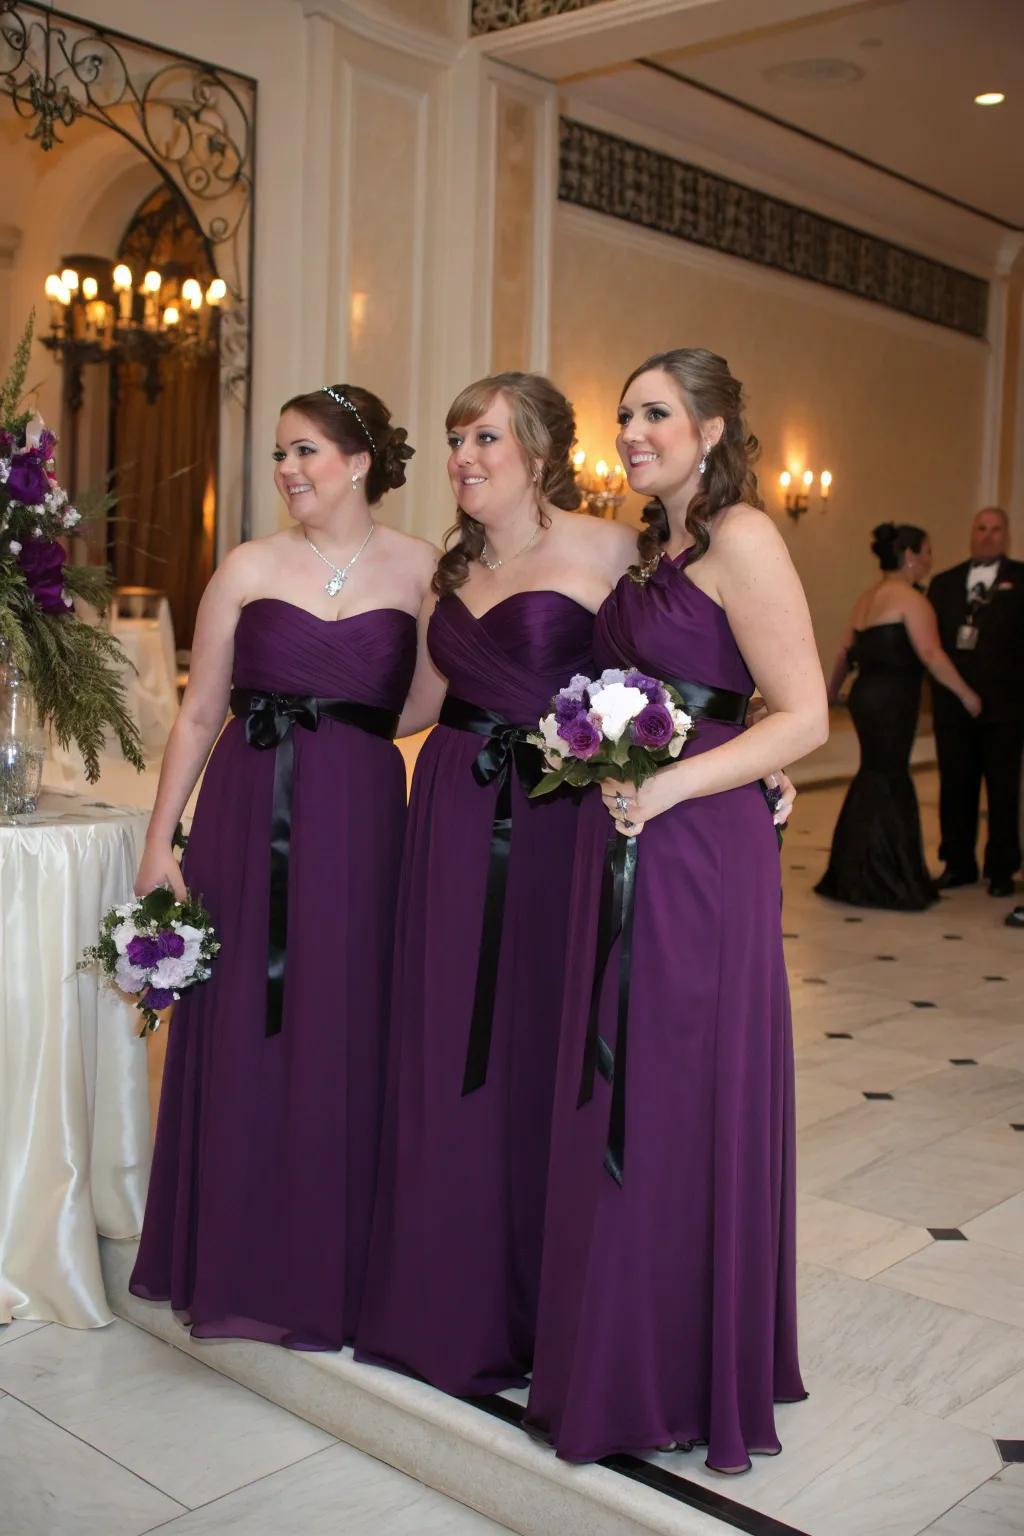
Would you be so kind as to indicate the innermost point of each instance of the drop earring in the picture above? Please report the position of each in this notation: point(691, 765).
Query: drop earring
point(702, 466)
point(355, 482)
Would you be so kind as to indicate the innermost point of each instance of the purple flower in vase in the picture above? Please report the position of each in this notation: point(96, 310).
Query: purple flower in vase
point(158, 998)
point(42, 562)
point(582, 736)
point(647, 685)
point(28, 481)
point(144, 951)
point(652, 727)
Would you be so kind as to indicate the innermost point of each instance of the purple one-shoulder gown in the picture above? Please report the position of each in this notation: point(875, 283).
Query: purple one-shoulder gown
point(667, 1305)
point(259, 1206)
point(455, 1256)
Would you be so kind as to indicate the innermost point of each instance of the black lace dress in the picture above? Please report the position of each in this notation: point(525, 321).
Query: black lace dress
point(877, 857)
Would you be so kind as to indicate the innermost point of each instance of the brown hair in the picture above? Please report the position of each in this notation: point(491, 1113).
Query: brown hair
point(544, 425)
point(364, 428)
point(708, 389)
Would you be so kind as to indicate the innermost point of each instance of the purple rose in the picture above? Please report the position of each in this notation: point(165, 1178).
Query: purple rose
point(568, 706)
point(157, 998)
point(647, 685)
point(171, 943)
point(582, 736)
point(28, 481)
point(652, 727)
point(42, 561)
point(144, 951)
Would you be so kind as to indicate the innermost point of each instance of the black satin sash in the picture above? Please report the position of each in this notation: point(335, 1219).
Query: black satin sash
point(269, 718)
point(615, 921)
point(505, 748)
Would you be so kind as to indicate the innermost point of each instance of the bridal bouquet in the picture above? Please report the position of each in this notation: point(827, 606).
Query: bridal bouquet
point(153, 948)
point(621, 725)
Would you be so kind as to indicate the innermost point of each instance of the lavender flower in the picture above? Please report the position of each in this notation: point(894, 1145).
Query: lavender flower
point(568, 706)
point(582, 736)
point(648, 686)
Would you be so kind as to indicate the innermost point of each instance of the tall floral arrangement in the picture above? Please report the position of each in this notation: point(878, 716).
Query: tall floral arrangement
point(75, 670)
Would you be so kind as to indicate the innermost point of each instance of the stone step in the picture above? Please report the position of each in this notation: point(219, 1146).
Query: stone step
point(475, 1455)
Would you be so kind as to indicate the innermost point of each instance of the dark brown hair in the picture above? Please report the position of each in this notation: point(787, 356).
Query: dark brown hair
point(366, 429)
point(889, 541)
point(544, 425)
point(708, 389)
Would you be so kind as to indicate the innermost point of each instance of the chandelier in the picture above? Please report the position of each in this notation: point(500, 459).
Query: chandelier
point(100, 313)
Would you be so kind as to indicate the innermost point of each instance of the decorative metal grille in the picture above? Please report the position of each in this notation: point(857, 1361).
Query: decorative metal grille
point(629, 181)
point(499, 15)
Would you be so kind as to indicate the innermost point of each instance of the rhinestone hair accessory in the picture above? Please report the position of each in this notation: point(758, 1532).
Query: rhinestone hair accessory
point(346, 404)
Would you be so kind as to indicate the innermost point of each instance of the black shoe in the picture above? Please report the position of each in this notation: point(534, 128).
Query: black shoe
point(949, 880)
point(1000, 888)
point(1015, 919)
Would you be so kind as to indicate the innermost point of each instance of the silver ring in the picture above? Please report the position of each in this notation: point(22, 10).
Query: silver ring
point(629, 825)
point(623, 805)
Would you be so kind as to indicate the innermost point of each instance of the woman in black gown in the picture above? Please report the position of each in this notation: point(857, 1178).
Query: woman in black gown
point(877, 857)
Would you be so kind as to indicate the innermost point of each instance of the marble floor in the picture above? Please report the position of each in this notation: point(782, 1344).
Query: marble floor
point(910, 1052)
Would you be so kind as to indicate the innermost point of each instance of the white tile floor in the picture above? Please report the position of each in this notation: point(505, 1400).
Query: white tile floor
point(913, 1346)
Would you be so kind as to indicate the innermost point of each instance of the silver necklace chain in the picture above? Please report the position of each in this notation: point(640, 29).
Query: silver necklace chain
point(494, 565)
point(340, 576)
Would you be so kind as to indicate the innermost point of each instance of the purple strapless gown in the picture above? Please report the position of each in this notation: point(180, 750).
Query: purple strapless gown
point(259, 1206)
point(667, 1307)
point(455, 1255)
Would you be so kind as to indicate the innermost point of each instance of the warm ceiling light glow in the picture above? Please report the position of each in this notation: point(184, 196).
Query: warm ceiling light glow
point(171, 315)
point(600, 469)
point(151, 282)
point(989, 99)
point(90, 288)
point(808, 478)
point(190, 291)
point(69, 277)
point(785, 479)
point(579, 458)
point(826, 479)
point(55, 288)
point(122, 276)
point(217, 290)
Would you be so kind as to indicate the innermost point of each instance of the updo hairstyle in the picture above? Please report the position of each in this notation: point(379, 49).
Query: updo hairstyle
point(361, 426)
point(890, 541)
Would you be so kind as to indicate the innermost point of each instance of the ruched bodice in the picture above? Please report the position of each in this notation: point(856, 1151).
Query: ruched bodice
point(516, 656)
point(367, 658)
point(670, 628)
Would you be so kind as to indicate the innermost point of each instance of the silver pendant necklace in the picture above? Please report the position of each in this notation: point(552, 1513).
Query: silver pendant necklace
point(340, 576)
point(493, 565)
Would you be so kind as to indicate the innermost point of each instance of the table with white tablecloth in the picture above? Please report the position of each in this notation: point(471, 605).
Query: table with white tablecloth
point(74, 1111)
point(152, 688)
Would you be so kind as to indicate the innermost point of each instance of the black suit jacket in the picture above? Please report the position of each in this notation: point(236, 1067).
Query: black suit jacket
point(995, 668)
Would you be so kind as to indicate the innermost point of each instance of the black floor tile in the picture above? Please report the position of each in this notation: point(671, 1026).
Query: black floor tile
point(837, 1034)
point(853, 919)
point(921, 1003)
point(962, 1061)
point(877, 1095)
point(993, 978)
point(952, 935)
point(1011, 1450)
point(885, 957)
point(947, 1234)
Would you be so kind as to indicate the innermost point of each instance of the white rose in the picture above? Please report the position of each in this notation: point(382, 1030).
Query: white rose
point(14, 547)
point(553, 743)
point(617, 705)
point(681, 720)
point(123, 935)
point(173, 971)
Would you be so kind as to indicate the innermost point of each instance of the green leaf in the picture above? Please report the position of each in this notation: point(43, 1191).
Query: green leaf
point(13, 386)
point(550, 781)
point(157, 904)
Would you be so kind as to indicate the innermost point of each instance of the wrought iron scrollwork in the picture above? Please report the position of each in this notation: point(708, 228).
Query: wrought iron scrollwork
point(499, 15)
point(193, 122)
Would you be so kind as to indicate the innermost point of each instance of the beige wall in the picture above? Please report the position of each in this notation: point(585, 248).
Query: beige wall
point(892, 406)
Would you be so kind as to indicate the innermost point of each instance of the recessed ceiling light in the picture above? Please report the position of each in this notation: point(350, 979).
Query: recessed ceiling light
point(814, 73)
point(989, 99)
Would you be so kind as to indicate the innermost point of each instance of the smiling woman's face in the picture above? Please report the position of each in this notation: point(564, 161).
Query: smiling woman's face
point(657, 442)
point(488, 470)
point(311, 473)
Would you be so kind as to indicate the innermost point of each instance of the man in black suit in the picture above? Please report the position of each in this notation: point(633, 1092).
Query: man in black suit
point(980, 608)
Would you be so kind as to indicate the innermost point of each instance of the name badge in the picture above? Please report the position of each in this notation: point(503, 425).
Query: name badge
point(966, 637)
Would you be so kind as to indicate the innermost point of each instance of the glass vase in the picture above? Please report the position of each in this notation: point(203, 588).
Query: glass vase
point(21, 742)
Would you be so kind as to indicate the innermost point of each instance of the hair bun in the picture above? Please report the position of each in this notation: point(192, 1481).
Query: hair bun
point(393, 457)
point(883, 538)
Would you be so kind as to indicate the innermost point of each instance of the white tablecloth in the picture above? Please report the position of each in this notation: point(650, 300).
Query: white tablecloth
point(152, 690)
point(74, 1110)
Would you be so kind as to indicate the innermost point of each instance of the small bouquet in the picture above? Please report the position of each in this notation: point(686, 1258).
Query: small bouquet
point(153, 948)
point(621, 725)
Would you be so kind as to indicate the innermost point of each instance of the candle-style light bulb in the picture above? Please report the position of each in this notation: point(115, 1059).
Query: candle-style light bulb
point(601, 469)
point(808, 478)
point(90, 288)
point(69, 277)
point(579, 458)
point(785, 479)
point(152, 282)
point(122, 276)
point(825, 483)
point(171, 315)
point(190, 291)
point(217, 291)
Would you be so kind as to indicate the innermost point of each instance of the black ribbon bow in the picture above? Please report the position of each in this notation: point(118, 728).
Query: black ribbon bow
point(269, 718)
point(506, 748)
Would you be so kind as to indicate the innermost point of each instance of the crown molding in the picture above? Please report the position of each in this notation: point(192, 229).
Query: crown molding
point(376, 28)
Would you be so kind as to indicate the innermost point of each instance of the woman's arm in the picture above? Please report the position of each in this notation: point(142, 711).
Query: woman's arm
point(768, 614)
point(922, 628)
point(427, 690)
point(199, 720)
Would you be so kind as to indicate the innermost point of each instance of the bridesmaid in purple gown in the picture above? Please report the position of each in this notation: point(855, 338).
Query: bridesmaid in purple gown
point(259, 1206)
point(455, 1254)
point(667, 1306)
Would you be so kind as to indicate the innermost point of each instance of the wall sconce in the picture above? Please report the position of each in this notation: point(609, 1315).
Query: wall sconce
point(798, 501)
point(603, 489)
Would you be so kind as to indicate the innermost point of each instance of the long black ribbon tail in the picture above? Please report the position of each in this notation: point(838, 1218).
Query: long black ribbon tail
point(280, 851)
point(478, 1049)
point(615, 922)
